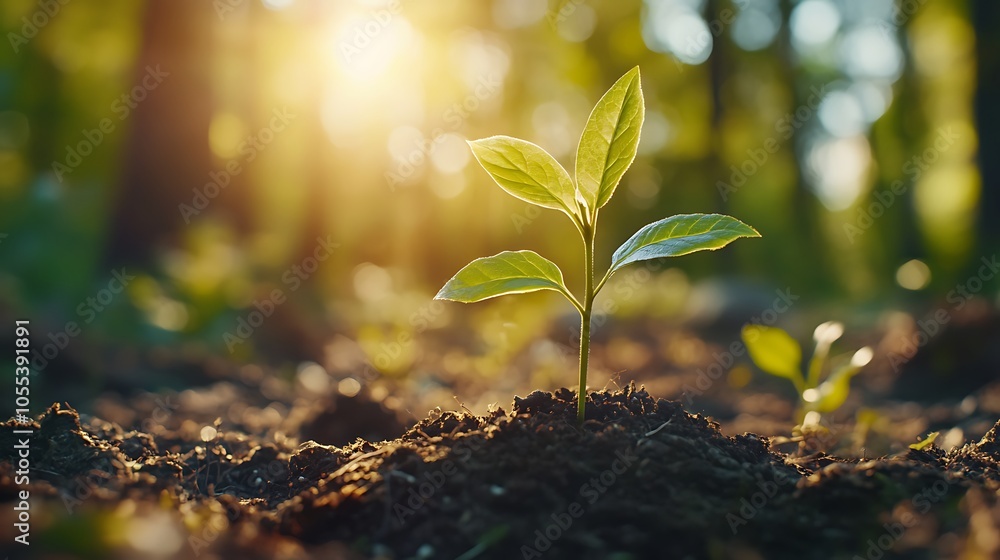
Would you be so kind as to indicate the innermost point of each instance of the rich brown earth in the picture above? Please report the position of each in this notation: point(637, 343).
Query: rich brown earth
point(640, 479)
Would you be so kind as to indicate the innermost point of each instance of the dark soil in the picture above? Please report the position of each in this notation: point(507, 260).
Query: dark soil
point(640, 479)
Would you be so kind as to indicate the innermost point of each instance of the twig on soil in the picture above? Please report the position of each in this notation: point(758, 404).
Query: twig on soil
point(421, 432)
point(663, 425)
point(462, 404)
point(455, 430)
point(612, 379)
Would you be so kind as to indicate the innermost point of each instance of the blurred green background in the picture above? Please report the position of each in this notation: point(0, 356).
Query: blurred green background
point(213, 148)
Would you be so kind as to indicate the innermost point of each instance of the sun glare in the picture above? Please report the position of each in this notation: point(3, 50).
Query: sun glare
point(365, 46)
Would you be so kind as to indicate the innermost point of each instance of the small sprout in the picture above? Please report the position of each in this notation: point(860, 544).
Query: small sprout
point(828, 332)
point(607, 148)
point(811, 435)
point(862, 357)
point(811, 418)
point(926, 442)
point(777, 353)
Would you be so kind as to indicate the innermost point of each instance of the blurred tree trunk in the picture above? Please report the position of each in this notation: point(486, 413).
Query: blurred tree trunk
point(717, 73)
point(986, 19)
point(167, 154)
point(808, 245)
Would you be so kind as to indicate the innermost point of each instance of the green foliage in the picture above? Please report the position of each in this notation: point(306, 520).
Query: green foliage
point(680, 235)
point(610, 140)
point(777, 353)
point(510, 272)
point(527, 172)
point(607, 148)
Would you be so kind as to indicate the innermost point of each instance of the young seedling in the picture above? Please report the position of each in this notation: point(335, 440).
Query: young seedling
point(606, 150)
point(777, 353)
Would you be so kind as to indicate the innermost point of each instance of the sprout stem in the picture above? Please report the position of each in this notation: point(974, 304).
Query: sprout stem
point(588, 305)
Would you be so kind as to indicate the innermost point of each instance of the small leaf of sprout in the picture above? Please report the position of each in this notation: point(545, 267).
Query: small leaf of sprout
point(680, 235)
point(610, 140)
point(528, 172)
point(509, 272)
point(926, 442)
point(774, 351)
point(833, 392)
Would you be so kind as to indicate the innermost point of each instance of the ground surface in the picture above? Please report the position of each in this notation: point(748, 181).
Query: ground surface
point(640, 479)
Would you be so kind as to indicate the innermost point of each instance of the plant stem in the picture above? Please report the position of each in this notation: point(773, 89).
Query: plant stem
point(581, 404)
point(816, 364)
point(588, 304)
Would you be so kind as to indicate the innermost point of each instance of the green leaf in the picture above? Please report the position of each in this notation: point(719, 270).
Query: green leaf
point(926, 442)
point(509, 272)
point(775, 352)
point(680, 235)
point(528, 172)
point(610, 140)
point(832, 393)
